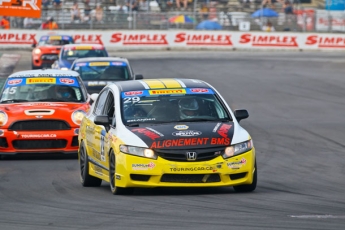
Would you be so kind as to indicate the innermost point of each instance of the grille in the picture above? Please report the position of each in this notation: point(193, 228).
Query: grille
point(49, 57)
point(139, 177)
point(3, 142)
point(33, 125)
point(237, 176)
point(205, 154)
point(190, 178)
point(39, 144)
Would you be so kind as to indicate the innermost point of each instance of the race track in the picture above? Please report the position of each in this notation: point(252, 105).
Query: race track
point(296, 106)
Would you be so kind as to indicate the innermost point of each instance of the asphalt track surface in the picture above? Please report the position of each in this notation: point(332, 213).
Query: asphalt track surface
point(296, 106)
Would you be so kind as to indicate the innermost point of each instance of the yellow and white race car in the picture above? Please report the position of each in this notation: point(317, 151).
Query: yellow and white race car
point(165, 133)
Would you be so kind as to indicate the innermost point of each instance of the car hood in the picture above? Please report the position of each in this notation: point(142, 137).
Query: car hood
point(186, 135)
point(41, 110)
point(50, 49)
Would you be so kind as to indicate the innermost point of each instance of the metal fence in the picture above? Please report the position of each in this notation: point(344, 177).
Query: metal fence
point(150, 20)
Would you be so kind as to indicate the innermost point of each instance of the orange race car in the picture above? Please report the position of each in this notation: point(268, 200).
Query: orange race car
point(41, 111)
point(47, 50)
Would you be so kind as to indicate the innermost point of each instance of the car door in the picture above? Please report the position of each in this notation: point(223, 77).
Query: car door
point(92, 129)
point(101, 132)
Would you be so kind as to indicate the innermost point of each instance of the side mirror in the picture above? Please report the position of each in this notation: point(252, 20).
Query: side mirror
point(102, 120)
point(241, 114)
point(94, 96)
point(33, 45)
point(138, 76)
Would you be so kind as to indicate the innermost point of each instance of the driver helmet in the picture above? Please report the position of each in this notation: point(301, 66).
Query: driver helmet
point(63, 92)
point(188, 108)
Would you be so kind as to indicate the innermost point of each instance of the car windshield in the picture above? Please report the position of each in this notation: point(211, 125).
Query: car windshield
point(171, 105)
point(72, 54)
point(107, 71)
point(55, 41)
point(35, 89)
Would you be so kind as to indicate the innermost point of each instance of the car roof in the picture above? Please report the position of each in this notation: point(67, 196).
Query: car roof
point(45, 73)
point(95, 59)
point(160, 83)
point(98, 46)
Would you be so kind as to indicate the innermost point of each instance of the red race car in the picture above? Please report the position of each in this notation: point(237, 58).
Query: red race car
point(41, 111)
point(47, 50)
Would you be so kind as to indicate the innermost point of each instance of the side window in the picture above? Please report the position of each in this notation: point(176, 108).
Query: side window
point(82, 87)
point(100, 102)
point(109, 108)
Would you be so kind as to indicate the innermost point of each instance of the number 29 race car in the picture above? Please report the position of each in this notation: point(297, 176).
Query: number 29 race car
point(165, 133)
point(41, 111)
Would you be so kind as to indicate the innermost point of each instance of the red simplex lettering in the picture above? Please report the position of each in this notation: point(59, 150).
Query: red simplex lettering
point(311, 40)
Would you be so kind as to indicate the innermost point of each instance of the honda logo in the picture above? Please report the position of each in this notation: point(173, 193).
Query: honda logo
point(191, 156)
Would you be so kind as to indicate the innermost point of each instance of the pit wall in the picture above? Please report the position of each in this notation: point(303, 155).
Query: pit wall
point(182, 39)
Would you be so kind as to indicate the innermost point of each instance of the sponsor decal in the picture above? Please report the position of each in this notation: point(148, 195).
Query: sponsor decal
point(117, 177)
point(204, 39)
point(192, 169)
point(83, 47)
point(40, 80)
point(216, 127)
point(199, 90)
point(68, 81)
point(81, 64)
point(132, 93)
point(190, 142)
point(223, 130)
point(146, 132)
point(186, 133)
point(181, 127)
point(14, 81)
point(167, 91)
point(326, 41)
point(98, 169)
point(55, 38)
point(99, 64)
point(38, 135)
point(118, 63)
point(150, 165)
point(269, 40)
point(90, 38)
point(139, 39)
point(96, 83)
point(43, 104)
point(142, 119)
point(17, 38)
point(236, 164)
point(155, 131)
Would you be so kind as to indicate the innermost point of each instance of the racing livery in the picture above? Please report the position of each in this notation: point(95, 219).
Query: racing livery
point(69, 53)
point(46, 51)
point(41, 111)
point(165, 133)
point(98, 71)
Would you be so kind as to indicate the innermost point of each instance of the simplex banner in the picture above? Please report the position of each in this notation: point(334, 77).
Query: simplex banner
point(149, 40)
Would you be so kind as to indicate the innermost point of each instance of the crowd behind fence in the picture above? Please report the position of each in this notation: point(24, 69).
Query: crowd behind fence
point(155, 15)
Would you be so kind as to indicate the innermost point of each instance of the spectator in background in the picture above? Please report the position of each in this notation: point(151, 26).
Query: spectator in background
point(99, 13)
point(44, 25)
point(45, 4)
point(144, 5)
point(57, 4)
point(28, 23)
point(75, 12)
point(133, 5)
point(87, 12)
point(268, 27)
point(288, 9)
point(204, 11)
point(178, 4)
point(5, 23)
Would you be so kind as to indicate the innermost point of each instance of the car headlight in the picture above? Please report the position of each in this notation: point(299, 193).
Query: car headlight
point(77, 116)
point(37, 51)
point(64, 68)
point(138, 151)
point(3, 118)
point(238, 149)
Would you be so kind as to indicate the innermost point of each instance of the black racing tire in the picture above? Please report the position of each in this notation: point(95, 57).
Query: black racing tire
point(85, 178)
point(112, 180)
point(248, 187)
